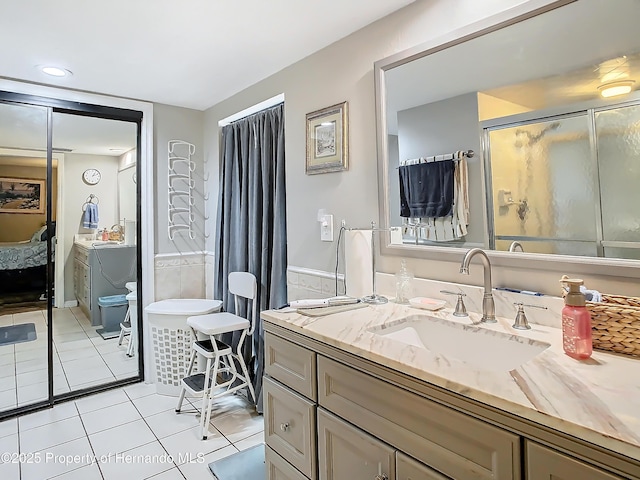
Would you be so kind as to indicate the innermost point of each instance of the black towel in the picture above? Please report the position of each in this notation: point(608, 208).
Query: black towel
point(426, 189)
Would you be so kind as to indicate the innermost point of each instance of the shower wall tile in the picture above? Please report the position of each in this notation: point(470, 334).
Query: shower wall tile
point(308, 283)
point(180, 276)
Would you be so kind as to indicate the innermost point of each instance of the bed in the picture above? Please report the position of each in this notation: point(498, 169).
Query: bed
point(23, 265)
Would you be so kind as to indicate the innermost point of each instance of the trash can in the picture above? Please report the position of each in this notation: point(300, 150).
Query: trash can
point(113, 309)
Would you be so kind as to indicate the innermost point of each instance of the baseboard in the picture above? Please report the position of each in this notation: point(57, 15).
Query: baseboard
point(71, 303)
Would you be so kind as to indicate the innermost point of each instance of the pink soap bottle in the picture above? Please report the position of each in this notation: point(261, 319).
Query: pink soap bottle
point(576, 322)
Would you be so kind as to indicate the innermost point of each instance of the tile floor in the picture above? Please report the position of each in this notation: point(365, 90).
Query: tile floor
point(128, 433)
point(81, 358)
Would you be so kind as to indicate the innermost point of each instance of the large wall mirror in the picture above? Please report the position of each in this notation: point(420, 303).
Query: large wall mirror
point(521, 137)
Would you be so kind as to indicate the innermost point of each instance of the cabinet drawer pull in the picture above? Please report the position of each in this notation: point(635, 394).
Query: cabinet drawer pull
point(381, 476)
point(284, 427)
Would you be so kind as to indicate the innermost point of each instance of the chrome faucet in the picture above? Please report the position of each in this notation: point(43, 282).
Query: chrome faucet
point(514, 245)
point(488, 307)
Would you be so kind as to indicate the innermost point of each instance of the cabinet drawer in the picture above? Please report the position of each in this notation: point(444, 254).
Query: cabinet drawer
point(451, 442)
point(81, 255)
point(291, 364)
point(278, 469)
point(546, 464)
point(347, 453)
point(290, 426)
point(408, 469)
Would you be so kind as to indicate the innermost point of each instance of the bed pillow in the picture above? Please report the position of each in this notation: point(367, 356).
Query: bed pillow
point(40, 235)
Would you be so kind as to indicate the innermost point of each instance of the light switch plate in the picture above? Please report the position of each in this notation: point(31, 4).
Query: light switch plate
point(326, 228)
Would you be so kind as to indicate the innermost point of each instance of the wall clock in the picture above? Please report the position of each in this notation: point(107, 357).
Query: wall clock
point(91, 176)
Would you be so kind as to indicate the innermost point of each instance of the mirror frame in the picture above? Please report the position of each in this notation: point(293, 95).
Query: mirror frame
point(537, 261)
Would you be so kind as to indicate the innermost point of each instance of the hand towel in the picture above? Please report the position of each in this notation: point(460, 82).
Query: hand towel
point(426, 189)
point(90, 218)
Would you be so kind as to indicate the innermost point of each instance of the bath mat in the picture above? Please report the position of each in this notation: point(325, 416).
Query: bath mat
point(25, 332)
point(245, 465)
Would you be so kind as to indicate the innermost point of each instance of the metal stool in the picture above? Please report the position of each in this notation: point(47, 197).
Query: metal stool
point(220, 356)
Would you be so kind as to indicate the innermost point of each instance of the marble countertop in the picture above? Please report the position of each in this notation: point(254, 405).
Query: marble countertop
point(597, 400)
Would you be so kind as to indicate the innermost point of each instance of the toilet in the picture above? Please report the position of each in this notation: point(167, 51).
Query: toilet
point(167, 340)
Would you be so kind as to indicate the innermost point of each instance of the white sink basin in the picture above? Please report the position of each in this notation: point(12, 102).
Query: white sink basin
point(478, 347)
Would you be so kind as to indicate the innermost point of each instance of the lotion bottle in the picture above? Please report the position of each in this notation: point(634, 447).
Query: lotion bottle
point(576, 322)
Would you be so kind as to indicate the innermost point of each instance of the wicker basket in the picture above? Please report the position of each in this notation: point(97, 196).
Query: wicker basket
point(615, 324)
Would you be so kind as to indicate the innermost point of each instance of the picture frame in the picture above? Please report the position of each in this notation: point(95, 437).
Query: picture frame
point(21, 195)
point(328, 140)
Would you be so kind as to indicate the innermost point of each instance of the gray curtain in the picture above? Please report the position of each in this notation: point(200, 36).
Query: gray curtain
point(252, 230)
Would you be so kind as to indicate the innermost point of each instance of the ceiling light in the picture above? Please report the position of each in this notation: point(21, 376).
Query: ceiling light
point(615, 88)
point(55, 71)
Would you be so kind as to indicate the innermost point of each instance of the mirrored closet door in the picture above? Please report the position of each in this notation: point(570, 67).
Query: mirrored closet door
point(69, 251)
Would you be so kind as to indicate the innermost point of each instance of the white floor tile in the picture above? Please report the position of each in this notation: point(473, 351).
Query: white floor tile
point(8, 399)
point(33, 393)
point(6, 357)
point(251, 441)
point(74, 344)
point(173, 474)
point(69, 355)
point(101, 400)
point(239, 424)
point(9, 444)
point(8, 427)
point(200, 470)
point(141, 389)
point(56, 463)
point(26, 355)
point(169, 422)
point(228, 404)
point(90, 376)
point(58, 412)
point(121, 438)
point(152, 404)
point(189, 442)
point(7, 383)
point(109, 417)
point(51, 434)
point(30, 378)
point(138, 468)
point(10, 471)
point(90, 472)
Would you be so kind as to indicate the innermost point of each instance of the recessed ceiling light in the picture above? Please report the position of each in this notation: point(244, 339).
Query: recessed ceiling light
point(614, 89)
point(55, 71)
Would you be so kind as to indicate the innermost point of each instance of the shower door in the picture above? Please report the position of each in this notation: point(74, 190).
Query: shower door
point(543, 187)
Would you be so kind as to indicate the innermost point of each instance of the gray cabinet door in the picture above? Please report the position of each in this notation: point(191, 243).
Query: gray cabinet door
point(278, 468)
point(289, 428)
point(546, 464)
point(346, 453)
point(409, 469)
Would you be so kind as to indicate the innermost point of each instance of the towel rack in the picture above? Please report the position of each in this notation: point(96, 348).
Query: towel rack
point(455, 156)
point(180, 188)
point(90, 199)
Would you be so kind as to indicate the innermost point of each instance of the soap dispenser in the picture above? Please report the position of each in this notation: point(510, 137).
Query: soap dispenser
point(576, 322)
point(404, 284)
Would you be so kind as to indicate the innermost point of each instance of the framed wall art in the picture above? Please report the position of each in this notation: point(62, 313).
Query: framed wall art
point(328, 140)
point(20, 195)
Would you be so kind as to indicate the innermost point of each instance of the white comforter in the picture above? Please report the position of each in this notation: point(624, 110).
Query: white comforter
point(18, 255)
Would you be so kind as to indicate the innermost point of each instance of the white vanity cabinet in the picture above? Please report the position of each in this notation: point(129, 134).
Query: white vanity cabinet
point(332, 416)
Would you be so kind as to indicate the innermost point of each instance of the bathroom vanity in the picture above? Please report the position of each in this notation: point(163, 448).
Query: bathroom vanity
point(101, 269)
point(346, 396)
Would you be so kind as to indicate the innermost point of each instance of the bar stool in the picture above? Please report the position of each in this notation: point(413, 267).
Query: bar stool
point(220, 357)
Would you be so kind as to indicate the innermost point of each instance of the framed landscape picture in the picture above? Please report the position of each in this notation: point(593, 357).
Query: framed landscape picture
point(327, 140)
point(21, 195)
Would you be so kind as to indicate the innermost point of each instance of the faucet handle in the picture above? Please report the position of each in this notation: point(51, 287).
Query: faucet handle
point(521, 322)
point(460, 310)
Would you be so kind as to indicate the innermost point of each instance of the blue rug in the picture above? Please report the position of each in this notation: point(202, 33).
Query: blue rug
point(245, 465)
point(25, 332)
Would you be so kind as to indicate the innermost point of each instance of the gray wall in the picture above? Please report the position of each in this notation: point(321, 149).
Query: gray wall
point(175, 123)
point(444, 127)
